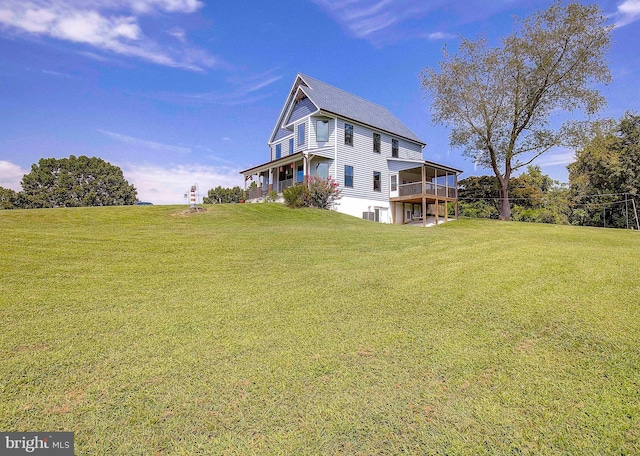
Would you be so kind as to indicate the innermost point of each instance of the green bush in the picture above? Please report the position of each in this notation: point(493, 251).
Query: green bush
point(323, 192)
point(319, 192)
point(297, 196)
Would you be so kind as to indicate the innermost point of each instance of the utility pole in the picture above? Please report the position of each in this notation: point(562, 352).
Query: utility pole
point(635, 212)
point(626, 208)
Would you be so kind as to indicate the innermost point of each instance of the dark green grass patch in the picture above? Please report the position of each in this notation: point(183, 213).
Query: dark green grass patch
point(258, 329)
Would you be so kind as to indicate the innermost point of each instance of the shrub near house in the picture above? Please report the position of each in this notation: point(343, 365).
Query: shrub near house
point(320, 193)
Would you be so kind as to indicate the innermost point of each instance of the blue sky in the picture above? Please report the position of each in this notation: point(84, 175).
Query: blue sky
point(177, 92)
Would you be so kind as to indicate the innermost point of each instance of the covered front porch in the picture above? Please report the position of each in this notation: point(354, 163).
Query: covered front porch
point(278, 175)
point(275, 176)
point(424, 194)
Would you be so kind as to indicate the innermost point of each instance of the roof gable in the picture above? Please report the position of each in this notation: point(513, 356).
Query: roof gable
point(336, 101)
point(325, 97)
point(303, 106)
point(296, 93)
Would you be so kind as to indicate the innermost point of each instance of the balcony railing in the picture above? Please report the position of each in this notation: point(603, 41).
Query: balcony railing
point(415, 188)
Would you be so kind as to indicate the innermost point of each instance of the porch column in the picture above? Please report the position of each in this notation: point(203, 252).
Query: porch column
point(455, 181)
point(424, 203)
point(244, 192)
point(446, 211)
point(270, 180)
point(446, 186)
point(424, 186)
point(305, 168)
point(437, 209)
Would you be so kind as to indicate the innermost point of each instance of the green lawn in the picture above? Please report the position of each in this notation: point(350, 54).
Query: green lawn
point(257, 329)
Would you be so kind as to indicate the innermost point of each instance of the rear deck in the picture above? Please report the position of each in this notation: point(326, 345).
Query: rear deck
point(424, 191)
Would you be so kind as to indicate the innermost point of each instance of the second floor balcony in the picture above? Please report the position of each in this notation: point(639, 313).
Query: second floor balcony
point(428, 188)
point(429, 180)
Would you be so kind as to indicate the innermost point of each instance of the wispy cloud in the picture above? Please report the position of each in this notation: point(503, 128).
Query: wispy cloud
point(94, 56)
point(380, 22)
point(11, 175)
point(178, 34)
point(60, 75)
point(563, 157)
point(361, 18)
point(107, 25)
point(167, 185)
point(387, 21)
point(144, 143)
point(243, 90)
point(627, 12)
point(439, 36)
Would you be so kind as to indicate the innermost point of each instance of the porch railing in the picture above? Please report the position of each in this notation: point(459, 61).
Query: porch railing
point(415, 188)
point(255, 193)
point(284, 184)
point(279, 187)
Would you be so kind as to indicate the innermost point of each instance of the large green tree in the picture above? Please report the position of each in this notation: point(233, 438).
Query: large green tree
point(8, 198)
point(536, 197)
point(607, 168)
point(221, 195)
point(499, 100)
point(75, 181)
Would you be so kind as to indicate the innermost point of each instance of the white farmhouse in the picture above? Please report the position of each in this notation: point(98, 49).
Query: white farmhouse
point(377, 161)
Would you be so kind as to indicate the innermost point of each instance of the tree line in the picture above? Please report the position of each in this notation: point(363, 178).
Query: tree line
point(70, 182)
point(603, 189)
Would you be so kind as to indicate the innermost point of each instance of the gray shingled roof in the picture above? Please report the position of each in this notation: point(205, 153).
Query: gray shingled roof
point(337, 101)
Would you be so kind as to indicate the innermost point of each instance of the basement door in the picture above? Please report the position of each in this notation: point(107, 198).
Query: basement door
point(380, 214)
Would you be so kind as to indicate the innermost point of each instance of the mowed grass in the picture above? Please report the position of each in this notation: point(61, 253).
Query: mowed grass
point(257, 329)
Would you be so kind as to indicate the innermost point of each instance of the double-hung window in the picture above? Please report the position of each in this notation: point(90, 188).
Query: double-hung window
point(322, 130)
point(376, 142)
point(377, 181)
point(348, 176)
point(290, 146)
point(348, 134)
point(278, 151)
point(394, 148)
point(301, 134)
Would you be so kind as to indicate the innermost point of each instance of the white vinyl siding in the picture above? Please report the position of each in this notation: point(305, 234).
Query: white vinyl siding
point(284, 148)
point(406, 150)
point(313, 142)
point(364, 162)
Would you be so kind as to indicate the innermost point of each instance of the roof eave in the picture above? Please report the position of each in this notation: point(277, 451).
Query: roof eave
point(272, 164)
point(373, 127)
